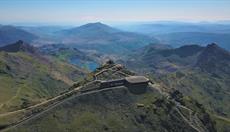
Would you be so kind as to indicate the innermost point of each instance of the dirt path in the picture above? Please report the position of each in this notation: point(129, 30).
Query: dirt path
point(178, 105)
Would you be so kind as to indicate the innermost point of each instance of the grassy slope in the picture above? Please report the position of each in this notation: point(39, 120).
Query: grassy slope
point(115, 110)
point(210, 91)
point(29, 79)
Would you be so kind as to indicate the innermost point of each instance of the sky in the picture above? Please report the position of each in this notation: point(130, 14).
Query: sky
point(82, 11)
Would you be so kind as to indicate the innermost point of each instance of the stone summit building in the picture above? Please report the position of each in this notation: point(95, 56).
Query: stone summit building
point(136, 84)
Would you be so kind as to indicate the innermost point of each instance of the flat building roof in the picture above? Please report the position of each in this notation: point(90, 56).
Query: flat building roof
point(137, 79)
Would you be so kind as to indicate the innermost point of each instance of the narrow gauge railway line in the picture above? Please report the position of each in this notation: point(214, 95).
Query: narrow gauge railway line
point(83, 90)
point(23, 121)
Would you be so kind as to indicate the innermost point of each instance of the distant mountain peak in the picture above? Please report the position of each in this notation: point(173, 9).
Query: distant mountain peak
point(18, 46)
point(10, 34)
point(91, 28)
point(96, 23)
point(20, 42)
point(183, 51)
point(213, 46)
point(98, 26)
point(214, 50)
point(214, 58)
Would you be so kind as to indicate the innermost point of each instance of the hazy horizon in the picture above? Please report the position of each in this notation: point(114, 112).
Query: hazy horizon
point(112, 23)
point(74, 12)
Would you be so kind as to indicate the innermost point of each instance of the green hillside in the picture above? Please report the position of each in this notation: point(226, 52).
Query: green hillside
point(208, 82)
point(210, 91)
point(160, 59)
point(120, 110)
point(29, 78)
point(199, 72)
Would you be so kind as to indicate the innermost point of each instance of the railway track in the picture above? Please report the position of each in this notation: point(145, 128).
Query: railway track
point(55, 105)
point(79, 91)
point(49, 104)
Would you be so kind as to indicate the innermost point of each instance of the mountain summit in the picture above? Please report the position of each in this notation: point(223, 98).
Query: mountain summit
point(98, 26)
point(90, 29)
point(103, 38)
point(19, 46)
point(214, 60)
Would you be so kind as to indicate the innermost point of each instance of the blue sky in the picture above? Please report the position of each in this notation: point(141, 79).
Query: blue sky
point(77, 11)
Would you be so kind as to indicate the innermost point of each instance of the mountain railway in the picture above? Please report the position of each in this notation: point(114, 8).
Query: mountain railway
point(135, 85)
point(37, 110)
